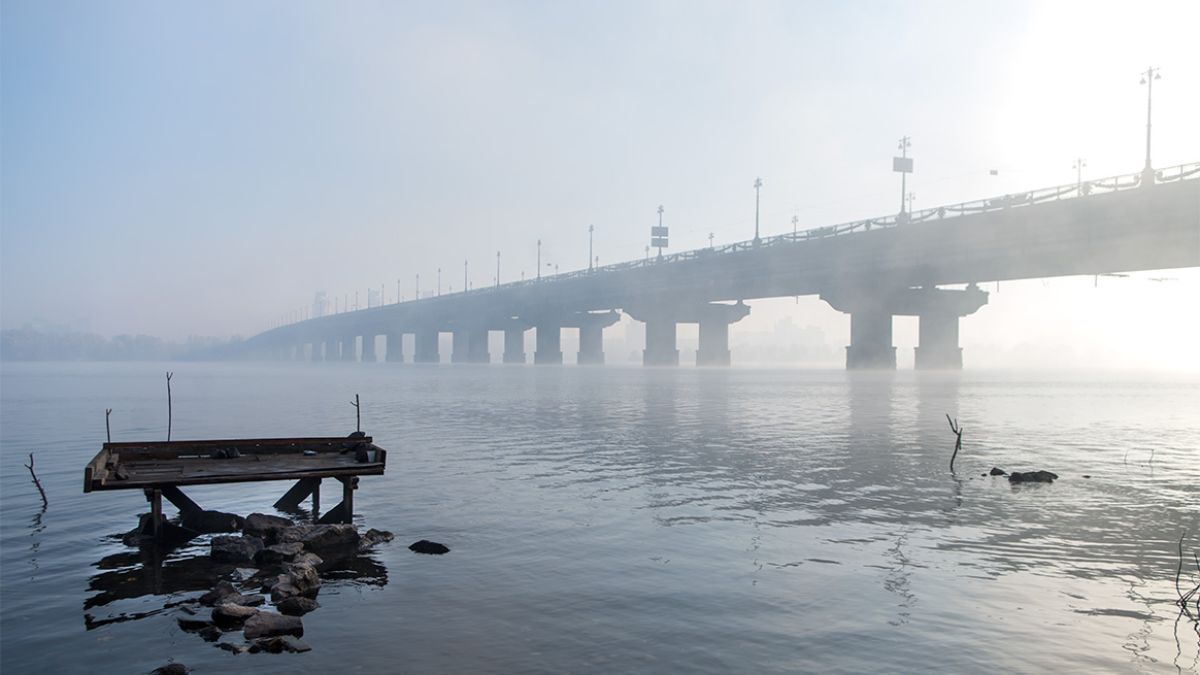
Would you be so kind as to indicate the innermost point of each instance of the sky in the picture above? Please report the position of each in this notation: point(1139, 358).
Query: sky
point(204, 168)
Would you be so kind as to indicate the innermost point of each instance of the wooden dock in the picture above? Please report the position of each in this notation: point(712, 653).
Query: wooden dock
point(161, 468)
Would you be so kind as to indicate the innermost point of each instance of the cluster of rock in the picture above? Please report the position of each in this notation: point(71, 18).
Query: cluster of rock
point(1025, 476)
point(287, 557)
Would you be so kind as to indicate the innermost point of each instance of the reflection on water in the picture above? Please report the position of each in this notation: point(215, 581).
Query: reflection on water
point(658, 520)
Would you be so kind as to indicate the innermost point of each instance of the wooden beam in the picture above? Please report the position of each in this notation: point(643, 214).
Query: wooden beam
point(180, 500)
point(298, 493)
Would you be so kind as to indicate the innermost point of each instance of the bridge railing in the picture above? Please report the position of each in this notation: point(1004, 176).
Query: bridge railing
point(1003, 202)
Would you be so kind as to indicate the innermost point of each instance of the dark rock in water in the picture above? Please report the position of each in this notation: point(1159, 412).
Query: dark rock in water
point(278, 645)
point(278, 553)
point(295, 533)
point(236, 649)
point(373, 537)
point(171, 669)
point(222, 590)
point(357, 434)
point(266, 527)
point(270, 624)
point(193, 625)
point(1032, 477)
point(169, 534)
point(430, 547)
point(296, 605)
point(232, 616)
point(307, 558)
point(1086, 476)
point(997, 472)
point(235, 549)
point(332, 538)
point(209, 633)
point(207, 522)
point(283, 590)
point(304, 579)
point(243, 600)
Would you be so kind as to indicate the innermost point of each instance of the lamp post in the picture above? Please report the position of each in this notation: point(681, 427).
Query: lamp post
point(660, 214)
point(497, 269)
point(710, 239)
point(591, 229)
point(1079, 164)
point(539, 260)
point(757, 187)
point(1148, 79)
point(418, 289)
point(398, 296)
point(439, 288)
point(466, 284)
point(903, 165)
point(795, 226)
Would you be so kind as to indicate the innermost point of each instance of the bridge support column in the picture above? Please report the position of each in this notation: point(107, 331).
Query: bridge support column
point(549, 344)
point(368, 348)
point(660, 343)
point(426, 348)
point(514, 345)
point(477, 346)
point(871, 314)
point(316, 355)
point(395, 348)
point(459, 346)
point(349, 350)
point(331, 350)
point(714, 321)
point(591, 345)
point(870, 340)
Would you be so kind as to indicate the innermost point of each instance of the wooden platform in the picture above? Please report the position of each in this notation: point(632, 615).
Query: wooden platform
point(160, 468)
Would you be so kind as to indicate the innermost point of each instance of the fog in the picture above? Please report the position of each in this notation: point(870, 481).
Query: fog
point(179, 170)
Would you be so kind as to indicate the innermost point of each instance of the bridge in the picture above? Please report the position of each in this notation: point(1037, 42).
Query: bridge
point(871, 269)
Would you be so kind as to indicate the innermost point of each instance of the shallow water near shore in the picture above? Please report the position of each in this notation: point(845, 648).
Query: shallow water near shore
point(636, 520)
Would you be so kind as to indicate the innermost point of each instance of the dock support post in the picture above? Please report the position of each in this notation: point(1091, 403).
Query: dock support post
point(316, 500)
point(155, 497)
point(298, 493)
point(344, 512)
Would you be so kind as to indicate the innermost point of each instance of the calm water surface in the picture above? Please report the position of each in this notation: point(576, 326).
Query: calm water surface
point(637, 520)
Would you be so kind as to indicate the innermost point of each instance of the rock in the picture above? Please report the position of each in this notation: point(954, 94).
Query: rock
point(307, 558)
point(222, 590)
point(236, 649)
point(270, 624)
point(171, 669)
point(278, 553)
point(169, 534)
point(1032, 477)
point(231, 616)
point(243, 600)
point(335, 537)
point(278, 645)
point(997, 472)
point(206, 522)
point(430, 547)
point(282, 591)
point(295, 533)
point(305, 579)
point(373, 537)
point(235, 549)
point(209, 633)
point(193, 625)
point(265, 526)
point(296, 605)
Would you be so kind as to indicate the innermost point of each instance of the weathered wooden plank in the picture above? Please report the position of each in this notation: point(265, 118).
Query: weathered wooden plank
point(298, 493)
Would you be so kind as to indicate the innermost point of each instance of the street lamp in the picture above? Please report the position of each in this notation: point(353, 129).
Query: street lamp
point(658, 235)
point(497, 269)
point(466, 284)
point(710, 239)
point(1148, 79)
point(439, 288)
point(418, 296)
point(1079, 164)
point(795, 225)
point(591, 229)
point(904, 166)
point(539, 260)
point(757, 187)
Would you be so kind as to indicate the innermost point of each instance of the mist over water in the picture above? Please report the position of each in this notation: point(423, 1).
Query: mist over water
point(647, 520)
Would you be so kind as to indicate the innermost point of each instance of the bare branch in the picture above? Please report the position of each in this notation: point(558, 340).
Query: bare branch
point(37, 482)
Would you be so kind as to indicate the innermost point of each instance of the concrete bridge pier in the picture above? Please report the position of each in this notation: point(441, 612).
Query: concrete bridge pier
point(477, 346)
point(349, 349)
point(331, 350)
point(660, 343)
point(395, 348)
point(591, 334)
point(549, 344)
point(426, 347)
point(459, 345)
point(514, 344)
point(368, 348)
point(871, 315)
point(714, 321)
point(316, 355)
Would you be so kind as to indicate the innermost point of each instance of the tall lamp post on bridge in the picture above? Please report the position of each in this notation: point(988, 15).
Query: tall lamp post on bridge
point(539, 260)
point(591, 229)
point(1148, 79)
point(466, 284)
point(658, 235)
point(904, 166)
point(757, 187)
point(795, 226)
point(439, 286)
point(497, 269)
point(418, 289)
point(1079, 164)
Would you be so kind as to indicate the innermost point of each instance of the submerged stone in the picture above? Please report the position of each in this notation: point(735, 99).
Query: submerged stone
point(235, 549)
point(270, 624)
point(429, 547)
point(1032, 477)
point(296, 605)
point(997, 472)
point(207, 522)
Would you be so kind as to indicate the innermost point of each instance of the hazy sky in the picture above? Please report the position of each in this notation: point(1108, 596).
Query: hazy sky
point(180, 168)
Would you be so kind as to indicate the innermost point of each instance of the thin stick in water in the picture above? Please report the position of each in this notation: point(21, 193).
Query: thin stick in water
point(958, 432)
point(357, 414)
point(107, 428)
point(169, 374)
point(37, 482)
